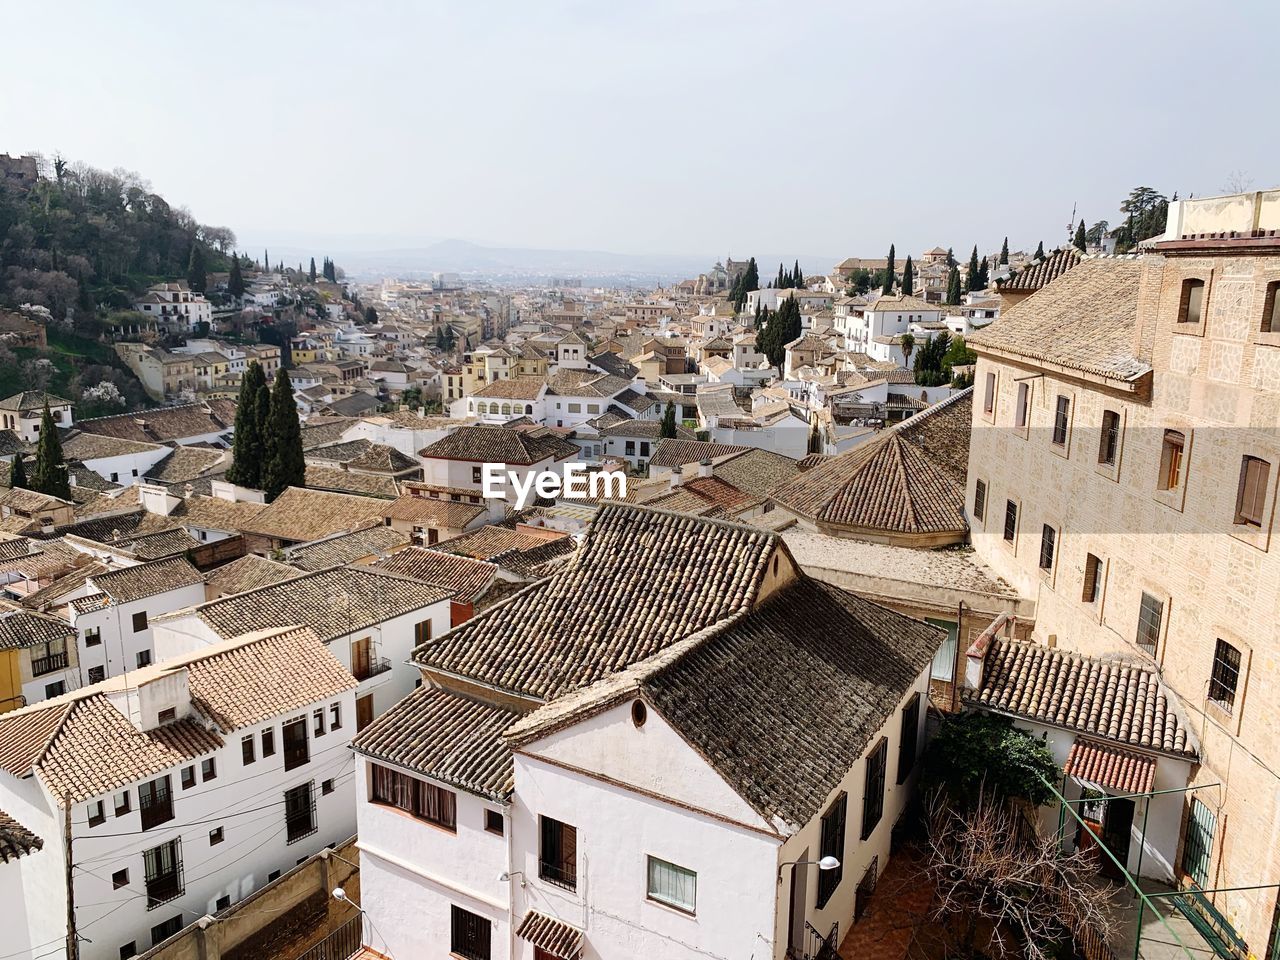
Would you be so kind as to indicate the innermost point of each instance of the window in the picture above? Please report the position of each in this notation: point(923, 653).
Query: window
point(1048, 538)
point(1023, 407)
point(130, 949)
point(873, 794)
point(675, 886)
point(575, 408)
point(422, 631)
point(273, 876)
point(188, 777)
point(326, 787)
point(97, 674)
point(831, 844)
point(269, 742)
point(144, 658)
point(1191, 305)
point(558, 860)
point(1271, 308)
point(1171, 460)
point(168, 715)
point(296, 751)
point(97, 813)
point(1251, 496)
point(1198, 847)
point(989, 394)
point(247, 755)
point(1109, 443)
point(631, 448)
point(426, 801)
point(122, 804)
point(163, 873)
point(93, 637)
point(1010, 520)
point(469, 934)
point(1092, 579)
point(223, 902)
point(1225, 676)
point(908, 738)
point(1150, 616)
point(55, 689)
point(335, 716)
point(979, 499)
point(155, 801)
point(645, 449)
point(475, 474)
point(163, 931)
point(140, 621)
point(317, 722)
point(300, 811)
point(1061, 418)
point(215, 836)
point(493, 822)
point(208, 769)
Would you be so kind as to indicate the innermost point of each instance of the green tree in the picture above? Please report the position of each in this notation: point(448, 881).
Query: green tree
point(285, 466)
point(953, 285)
point(1080, 241)
point(266, 261)
point(1040, 250)
point(908, 344)
point(747, 281)
point(984, 274)
point(235, 283)
point(370, 314)
point(797, 276)
point(50, 474)
point(311, 274)
point(973, 270)
point(908, 277)
point(668, 429)
point(18, 473)
point(197, 279)
point(1004, 252)
point(951, 258)
point(976, 752)
point(889, 270)
point(860, 281)
point(248, 445)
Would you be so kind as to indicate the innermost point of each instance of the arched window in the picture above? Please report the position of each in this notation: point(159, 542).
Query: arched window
point(528, 408)
point(506, 409)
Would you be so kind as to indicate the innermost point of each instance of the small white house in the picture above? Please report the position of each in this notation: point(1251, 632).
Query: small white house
point(23, 412)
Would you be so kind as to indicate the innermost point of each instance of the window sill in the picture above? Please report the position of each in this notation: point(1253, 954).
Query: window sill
point(1110, 471)
point(681, 911)
point(1189, 329)
point(1172, 498)
point(1063, 449)
point(1256, 536)
point(1266, 338)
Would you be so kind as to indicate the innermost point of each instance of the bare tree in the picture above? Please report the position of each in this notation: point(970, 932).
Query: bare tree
point(995, 878)
point(1238, 181)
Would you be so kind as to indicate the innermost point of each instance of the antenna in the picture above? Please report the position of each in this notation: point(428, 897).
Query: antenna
point(1071, 224)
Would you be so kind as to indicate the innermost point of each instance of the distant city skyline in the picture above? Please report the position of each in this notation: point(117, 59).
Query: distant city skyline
point(690, 130)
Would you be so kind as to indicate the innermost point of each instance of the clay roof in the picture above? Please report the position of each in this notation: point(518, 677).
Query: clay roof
point(147, 579)
point(1084, 321)
point(24, 628)
point(757, 471)
point(32, 401)
point(1041, 273)
point(183, 464)
point(676, 453)
point(93, 446)
point(214, 513)
point(363, 454)
point(375, 540)
point(585, 383)
point(552, 936)
point(1107, 765)
point(247, 573)
point(447, 737)
point(467, 578)
point(642, 430)
point(492, 540)
point(299, 514)
point(439, 513)
point(513, 388)
point(16, 840)
point(909, 479)
point(499, 445)
point(157, 425)
point(903, 302)
point(642, 580)
point(336, 480)
point(1119, 701)
point(157, 545)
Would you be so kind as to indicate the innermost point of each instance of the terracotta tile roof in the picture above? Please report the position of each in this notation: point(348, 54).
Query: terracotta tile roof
point(537, 561)
point(214, 513)
point(29, 501)
point(1041, 273)
point(556, 937)
point(362, 454)
point(92, 446)
point(643, 579)
point(147, 579)
point(336, 480)
point(320, 601)
point(499, 445)
point(465, 577)
point(1114, 700)
point(447, 737)
point(157, 545)
point(429, 510)
point(757, 471)
point(247, 573)
point(514, 388)
point(1084, 320)
point(16, 841)
point(184, 464)
point(319, 431)
point(910, 479)
point(903, 302)
point(585, 383)
point(677, 453)
point(1110, 766)
point(32, 401)
point(614, 364)
point(686, 501)
point(23, 628)
point(161, 424)
point(716, 492)
point(299, 514)
point(642, 430)
point(493, 540)
point(375, 540)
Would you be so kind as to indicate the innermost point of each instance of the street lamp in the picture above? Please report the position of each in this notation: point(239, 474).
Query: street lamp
point(341, 895)
point(826, 863)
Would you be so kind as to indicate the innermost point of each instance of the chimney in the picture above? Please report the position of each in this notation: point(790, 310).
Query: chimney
point(677, 477)
point(976, 655)
point(704, 467)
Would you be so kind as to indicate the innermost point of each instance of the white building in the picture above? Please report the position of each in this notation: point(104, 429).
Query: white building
point(23, 412)
point(536, 799)
point(190, 785)
point(872, 330)
point(457, 462)
point(175, 307)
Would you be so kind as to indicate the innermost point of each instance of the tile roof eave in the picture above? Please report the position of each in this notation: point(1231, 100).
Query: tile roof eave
point(1132, 383)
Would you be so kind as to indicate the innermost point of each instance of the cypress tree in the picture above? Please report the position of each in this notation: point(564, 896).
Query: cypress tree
point(286, 466)
point(18, 474)
point(196, 277)
point(1040, 250)
point(668, 429)
point(247, 444)
point(953, 285)
point(889, 271)
point(1080, 241)
point(797, 275)
point(781, 282)
point(235, 285)
point(984, 274)
point(1004, 252)
point(973, 270)
point(951, 257)
point(50, 474)
point(908, 277)
point(266, 261)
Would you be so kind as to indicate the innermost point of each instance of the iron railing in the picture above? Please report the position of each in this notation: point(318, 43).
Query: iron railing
point(342, 943)
point(371, 668)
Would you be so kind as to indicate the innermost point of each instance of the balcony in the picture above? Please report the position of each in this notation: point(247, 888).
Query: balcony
point(163, 888)
point(48, 664)
point(156, 807)
point(562, 874)
point(371, 668)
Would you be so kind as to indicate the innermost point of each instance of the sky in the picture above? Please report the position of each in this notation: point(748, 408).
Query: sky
point(684, 127)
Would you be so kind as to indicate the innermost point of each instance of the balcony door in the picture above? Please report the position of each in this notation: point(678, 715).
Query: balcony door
point(362, 658)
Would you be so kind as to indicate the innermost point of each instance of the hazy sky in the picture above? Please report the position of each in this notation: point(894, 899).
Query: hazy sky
point(682, 127)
